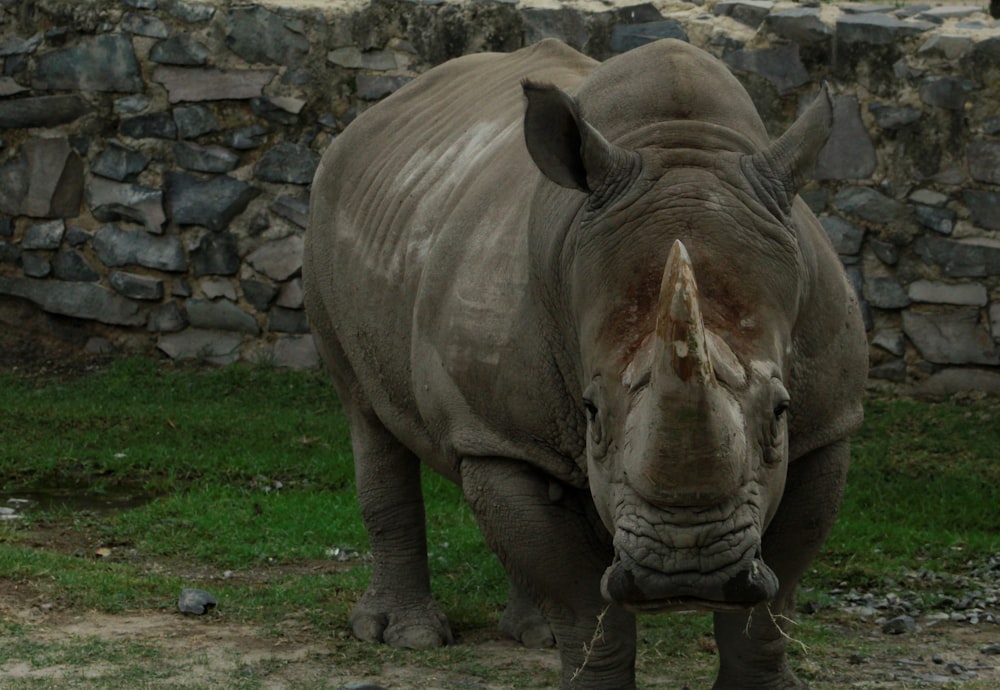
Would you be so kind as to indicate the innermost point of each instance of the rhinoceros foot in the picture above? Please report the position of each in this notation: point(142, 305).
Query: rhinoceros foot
point(527, 626)
point(415, 626)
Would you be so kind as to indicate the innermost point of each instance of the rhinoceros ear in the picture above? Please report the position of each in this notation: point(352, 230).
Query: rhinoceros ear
point(783, 168)
point(564, 146)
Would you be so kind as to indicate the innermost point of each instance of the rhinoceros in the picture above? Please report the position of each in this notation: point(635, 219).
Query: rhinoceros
point(589, 294)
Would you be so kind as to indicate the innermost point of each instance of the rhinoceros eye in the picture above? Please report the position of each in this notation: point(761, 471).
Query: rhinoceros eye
point(591, 409)
point(780, 409)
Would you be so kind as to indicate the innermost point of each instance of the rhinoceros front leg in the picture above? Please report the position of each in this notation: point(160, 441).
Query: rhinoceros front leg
point(523, 621)
point(397, 607)
point(752, 649)
point(555, 550)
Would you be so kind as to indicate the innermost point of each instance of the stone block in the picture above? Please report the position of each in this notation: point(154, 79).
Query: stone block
point(54, 176)
point(984, 207)
point(211, 203)
point(180, 49)
point(42, 111)
point(294, 210)
point(283, 110)
point(260, 36)
point(217, 253)
point(130, 105)
point(894, 117)
point(46, 235)
point(207, 84)
point(215, 288)
point(105, 62)
point(950, 337)
point(118, 162)
point(135, 286)
point(116, 247)
point(372, 87)
point(109, 201)
point(780, 65)
point(191, 12)
point(935, 292)
point(296, 352)
point(288, 164)
point(290, 295)
point(984, 161)
point(749, 12)
point(281, 320)
point(877, 29)
point(965, 258)
point(280, 259)
point(259, 294)
point(146, 25)
point(220, 315)
point(849, 153)
point(884, 292)
point(194, 120)
point(215, 347)
point(35, 266)
point(940, 220)
point(801, 25)
point(565, 23)
point(625, 37)
point(150, 126)
point(949, 381)
point(246, 138)
point(79, 300)
point(71, 265)
point(949, 93)
point(889, 371)
point(167, 318)
point(845, 237)
point(209, 159)
point(890, 340)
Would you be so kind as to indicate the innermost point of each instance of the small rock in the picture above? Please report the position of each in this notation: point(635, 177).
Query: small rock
point(899, 625)
point(196, 601)
point(992, 649)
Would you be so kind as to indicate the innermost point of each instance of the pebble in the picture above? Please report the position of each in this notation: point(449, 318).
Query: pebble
point(196, 601)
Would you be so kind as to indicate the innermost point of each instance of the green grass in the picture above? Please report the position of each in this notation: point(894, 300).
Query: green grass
point(248, 470)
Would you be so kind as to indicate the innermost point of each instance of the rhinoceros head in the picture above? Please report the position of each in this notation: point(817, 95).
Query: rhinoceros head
point(685, 385)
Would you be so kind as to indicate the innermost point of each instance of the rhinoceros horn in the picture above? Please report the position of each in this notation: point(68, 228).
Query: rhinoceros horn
point(687, 449)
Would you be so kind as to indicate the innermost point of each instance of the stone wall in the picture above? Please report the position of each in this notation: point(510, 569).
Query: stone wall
point(156, 155)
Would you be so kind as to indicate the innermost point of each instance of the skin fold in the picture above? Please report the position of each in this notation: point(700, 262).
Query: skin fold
point(589, 294)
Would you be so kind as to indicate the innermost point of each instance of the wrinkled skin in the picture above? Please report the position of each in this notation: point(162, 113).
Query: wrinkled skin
point(592, 298)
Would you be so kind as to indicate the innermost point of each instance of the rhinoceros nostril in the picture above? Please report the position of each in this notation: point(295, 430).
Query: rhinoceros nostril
point(756, 584)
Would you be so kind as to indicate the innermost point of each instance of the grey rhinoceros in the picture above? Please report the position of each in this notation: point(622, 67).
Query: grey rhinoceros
point(589, 293)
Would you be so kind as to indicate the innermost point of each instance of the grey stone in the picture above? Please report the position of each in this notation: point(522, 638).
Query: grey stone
point(890, 340)
point(984, 207)
point(79, 300)
point(246, 138)
point(118, 162)
point(181, 288)
point(348, 56)
point(109, 201)
point(260, 36)
point(283, 110)
point(899, 625)
point(849, 152)
point(196, 601)
point(105, 62)
point(966, 258)
point(885, 292)
point(214, 288)
point(212, 203)
point(816, 199)
point(44, 235)
point(15, 45)
point(214, 347)
point(167, 318)
point(845, 237)
point(6, 227)
point(35, 266)
point(290, 296)
point(141, 4)
point(984, 161)
point(889, 371)
point(13, 186)
point(564, 23)
point(948, 382)
point(780, 65)
point(939, 220)
point(71, 265)
point(42, 111)
point(216, 254)
point(280, 259)
point(950, 337)
point(970, 294)
point(207, 84)
point(949, 46)
point(259, 294)
point(949, 93)
point(135, 286)
point(749, 12)
point(296, 352)
point(191, 12)
point(939, 14)
point(130, 105)
point(625, 37)
point(220, 315)
point(372, 87)
point(116, 247)
point(928, 197)
point(179, 49)
point(144, 25)
point(10, 87)
point(801, 25)
point(894, 117)
point(877, 29)
point(9, 253)
point(294, 210)
point(287, 163)
point(77, 236)
point(281, 320)
point(871, 205)
point(55, 178)
point(210, 159)
point(194, 120)
point(149, 126)
point(866, 8)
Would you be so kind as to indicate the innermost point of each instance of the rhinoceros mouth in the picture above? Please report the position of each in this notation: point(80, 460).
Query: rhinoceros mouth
point(643, 590)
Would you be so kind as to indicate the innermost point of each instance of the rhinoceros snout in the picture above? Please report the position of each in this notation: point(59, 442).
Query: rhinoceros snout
point(643, 590)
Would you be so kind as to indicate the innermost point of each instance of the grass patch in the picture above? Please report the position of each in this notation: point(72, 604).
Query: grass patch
point(249, 477)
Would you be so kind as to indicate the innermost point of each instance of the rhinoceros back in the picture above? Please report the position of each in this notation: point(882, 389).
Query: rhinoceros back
point(417, 262)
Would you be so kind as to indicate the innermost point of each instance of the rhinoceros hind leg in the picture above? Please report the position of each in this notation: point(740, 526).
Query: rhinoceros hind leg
point(752, 652)
point(522, 621)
